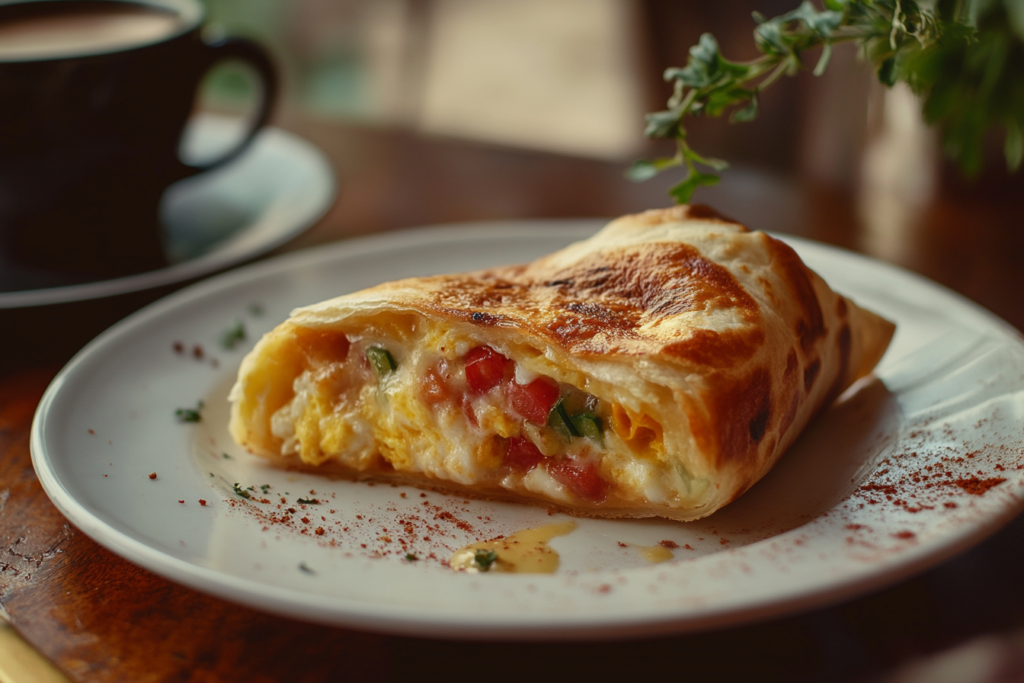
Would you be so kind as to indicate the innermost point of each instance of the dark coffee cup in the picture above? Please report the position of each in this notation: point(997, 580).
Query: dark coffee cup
point(94, 99)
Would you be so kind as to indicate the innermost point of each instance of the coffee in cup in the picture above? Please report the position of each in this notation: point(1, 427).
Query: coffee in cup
point(96, 96)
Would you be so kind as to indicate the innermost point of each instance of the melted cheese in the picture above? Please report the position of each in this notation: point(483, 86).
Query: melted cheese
point(341, 411)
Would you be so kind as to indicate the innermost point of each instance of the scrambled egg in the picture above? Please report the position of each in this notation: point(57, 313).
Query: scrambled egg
point(346, 412)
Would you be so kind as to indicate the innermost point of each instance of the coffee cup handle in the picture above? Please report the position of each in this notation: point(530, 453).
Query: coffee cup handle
point(223, 49)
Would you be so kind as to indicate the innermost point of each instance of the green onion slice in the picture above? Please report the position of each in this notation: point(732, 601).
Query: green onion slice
point(588, 425)
point(559, 420)
point(382, 360)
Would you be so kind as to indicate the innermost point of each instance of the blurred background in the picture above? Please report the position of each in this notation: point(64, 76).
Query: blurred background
point(569, 76)
point(574, 77)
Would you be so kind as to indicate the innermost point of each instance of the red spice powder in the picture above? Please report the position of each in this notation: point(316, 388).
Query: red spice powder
point(978, 487)
point(668, 544)
point(152, 475)
point(202, 502)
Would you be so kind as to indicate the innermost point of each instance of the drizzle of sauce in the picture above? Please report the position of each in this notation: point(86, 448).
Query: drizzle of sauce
point(524, 552)
point(655, 553)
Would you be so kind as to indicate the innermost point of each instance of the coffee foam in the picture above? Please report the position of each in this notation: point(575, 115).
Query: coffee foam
point(84, 29)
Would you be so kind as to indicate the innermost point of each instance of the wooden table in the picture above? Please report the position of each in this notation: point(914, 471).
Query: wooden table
point(100, 618)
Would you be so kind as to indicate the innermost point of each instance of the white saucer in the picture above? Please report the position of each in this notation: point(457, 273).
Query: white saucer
point(275, 191)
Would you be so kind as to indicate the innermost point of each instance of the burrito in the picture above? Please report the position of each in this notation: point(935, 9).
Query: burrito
point(659, 368)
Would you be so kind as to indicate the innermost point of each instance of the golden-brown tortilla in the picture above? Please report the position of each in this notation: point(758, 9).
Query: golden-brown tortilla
point(714, 345)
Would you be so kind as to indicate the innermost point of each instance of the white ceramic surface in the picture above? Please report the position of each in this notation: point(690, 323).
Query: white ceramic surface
point(898, 475)
point(276, 190)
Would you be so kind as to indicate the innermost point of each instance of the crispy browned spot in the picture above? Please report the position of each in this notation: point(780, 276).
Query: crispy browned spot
point(658, 281)
point(841, 308)
point(604, 298)
point(705, 211)
point(718, 349)
point(811, 374)
point(742, 413)
point(844, 341)
point(790, 393)
point(810, 325)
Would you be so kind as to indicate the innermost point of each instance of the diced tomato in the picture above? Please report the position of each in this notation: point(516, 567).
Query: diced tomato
point(581, 477)
point(435, 389)
point(534, 400)
point(485, 368)
point(522, 454)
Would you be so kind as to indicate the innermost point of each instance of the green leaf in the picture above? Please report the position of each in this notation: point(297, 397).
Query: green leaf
point(240, 491)
point(645, 169)
point(642, 170)
point(769, 40)
point(1013, 147)
point(662, 124)
point(887, 72)
point(702, 66)
point(721, 99)
point(822, 23)
point(749, 112)
point(826, 56)
point(684, 190)
point(717, 164)
point(1015, 12)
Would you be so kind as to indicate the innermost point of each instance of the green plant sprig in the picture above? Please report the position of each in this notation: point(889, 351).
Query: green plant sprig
point(962, 56)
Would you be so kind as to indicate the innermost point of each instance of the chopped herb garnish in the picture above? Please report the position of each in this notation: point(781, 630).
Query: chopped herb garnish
point(382, 360)
point(240, 491)
point(189, 414)
point(484, 558)
point(409, 557)
point(303, 567)
point(255, 310)
point(308, 501)
point(225, 456)
point(264, 487)
point(233, 336)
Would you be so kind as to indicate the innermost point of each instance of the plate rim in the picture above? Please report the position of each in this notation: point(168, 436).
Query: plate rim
point(420, 621)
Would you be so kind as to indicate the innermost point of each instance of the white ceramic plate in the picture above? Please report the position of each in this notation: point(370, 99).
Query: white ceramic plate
point(898, 475)
point(275, 191)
